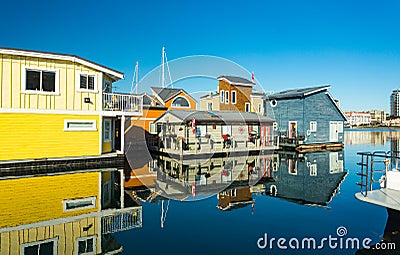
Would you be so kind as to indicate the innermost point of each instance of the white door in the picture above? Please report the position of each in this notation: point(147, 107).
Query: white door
point(333, 131)
point(335, 165)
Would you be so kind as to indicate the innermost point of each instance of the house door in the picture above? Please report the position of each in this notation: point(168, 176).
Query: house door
point(333, 131)
point(292, 129)
point(117, 135)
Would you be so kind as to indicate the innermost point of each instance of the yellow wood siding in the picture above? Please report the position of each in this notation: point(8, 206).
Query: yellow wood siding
point(27, 136)
point(41, 198)
point(67, 233)
point(12, 69)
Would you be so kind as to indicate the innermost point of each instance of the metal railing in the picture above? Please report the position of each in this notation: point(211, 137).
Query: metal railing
point(121, 219)
point(373, 163)
point(122, 102)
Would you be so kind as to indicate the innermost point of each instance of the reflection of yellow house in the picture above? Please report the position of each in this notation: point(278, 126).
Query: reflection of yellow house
point(57, 105)
point(60, 214)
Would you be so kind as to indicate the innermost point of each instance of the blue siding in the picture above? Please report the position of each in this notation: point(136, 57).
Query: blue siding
point(317, 107)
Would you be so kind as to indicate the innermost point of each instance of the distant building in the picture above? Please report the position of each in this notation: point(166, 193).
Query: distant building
point(378, 116)
point(395, 103)
point(358, 118)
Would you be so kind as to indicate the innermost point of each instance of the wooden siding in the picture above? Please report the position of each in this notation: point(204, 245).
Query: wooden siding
point(66, 233)
point(29, 136)
point(38, 199)
point(12, 71)
point(317, 107)
point(242, 96)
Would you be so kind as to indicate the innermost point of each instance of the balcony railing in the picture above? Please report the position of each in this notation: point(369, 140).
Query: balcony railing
point(122, 102)
point(121, 219)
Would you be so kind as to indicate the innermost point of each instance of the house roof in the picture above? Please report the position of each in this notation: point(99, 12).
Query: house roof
point(115, 75)
point(149, 100)
point(165, 94)
point(304, 92)
point(217, 117)
point(295, 93)
point(235, 80)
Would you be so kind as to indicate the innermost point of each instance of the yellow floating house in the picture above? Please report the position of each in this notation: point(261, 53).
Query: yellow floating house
point(63, 214)
point(58, 105)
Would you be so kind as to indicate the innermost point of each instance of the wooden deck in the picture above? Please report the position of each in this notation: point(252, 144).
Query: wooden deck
point(388, 198)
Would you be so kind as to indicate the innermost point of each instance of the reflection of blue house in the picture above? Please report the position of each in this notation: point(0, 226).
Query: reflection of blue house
point(307, 116)
point(313, 178)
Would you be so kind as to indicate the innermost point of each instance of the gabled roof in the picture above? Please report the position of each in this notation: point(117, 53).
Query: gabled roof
point(217, 117)
point(296, 93)
point(116, 75)
point(165, 94)
point(301, 93)
point(150, 100)
point(235, 80)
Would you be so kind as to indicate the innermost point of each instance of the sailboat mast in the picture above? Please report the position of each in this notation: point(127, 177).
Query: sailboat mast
point(162, 67)
point(137, 76)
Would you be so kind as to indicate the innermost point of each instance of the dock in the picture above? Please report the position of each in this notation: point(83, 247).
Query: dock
point(385, 197)
point(46, 166)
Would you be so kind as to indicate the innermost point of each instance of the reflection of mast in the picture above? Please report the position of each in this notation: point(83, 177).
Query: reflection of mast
point(163, 213)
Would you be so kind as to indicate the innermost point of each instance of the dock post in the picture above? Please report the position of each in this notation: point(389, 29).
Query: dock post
point(121, 184)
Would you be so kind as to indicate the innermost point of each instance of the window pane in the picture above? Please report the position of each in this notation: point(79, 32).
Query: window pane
point(31, 250)
point(49, 81)
point(46, 248)
point(32, 80)
point(80, 125)
point(82, 247)
point(83, 84)
point(180, 102)
point(91, 82)
point(78, 204)
point(89, 245)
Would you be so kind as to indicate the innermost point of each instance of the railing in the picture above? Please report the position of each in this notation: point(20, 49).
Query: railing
point(121, 219)
point(122, 102)
point(371, 164)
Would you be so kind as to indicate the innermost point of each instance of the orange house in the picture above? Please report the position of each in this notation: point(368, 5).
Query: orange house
point(141, 131)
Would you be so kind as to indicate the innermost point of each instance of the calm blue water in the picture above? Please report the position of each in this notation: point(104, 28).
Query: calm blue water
point(201, 228)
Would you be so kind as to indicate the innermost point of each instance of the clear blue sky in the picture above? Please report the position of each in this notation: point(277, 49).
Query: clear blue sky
point(352, 45)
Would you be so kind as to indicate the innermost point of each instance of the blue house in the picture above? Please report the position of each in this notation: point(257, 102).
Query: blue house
point(308, 116)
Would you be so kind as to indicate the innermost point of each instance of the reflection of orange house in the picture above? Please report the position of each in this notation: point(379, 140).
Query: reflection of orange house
point(141, 127)
point(234, 198)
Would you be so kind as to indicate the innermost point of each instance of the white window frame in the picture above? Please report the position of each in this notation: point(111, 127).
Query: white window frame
point(153, 128)
point(175, 106)
point(313, 126)
point(78, 82)
point(313, 170)
point(234, 96)
point(89, 199)
point(209, 106)
point(222, 96)
point(227, 97)
point(79, 239)
point(38, 69)
point(54, 240)
point(92, 128)
point(109, 131)
point(339, 126)
point(247, 105)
